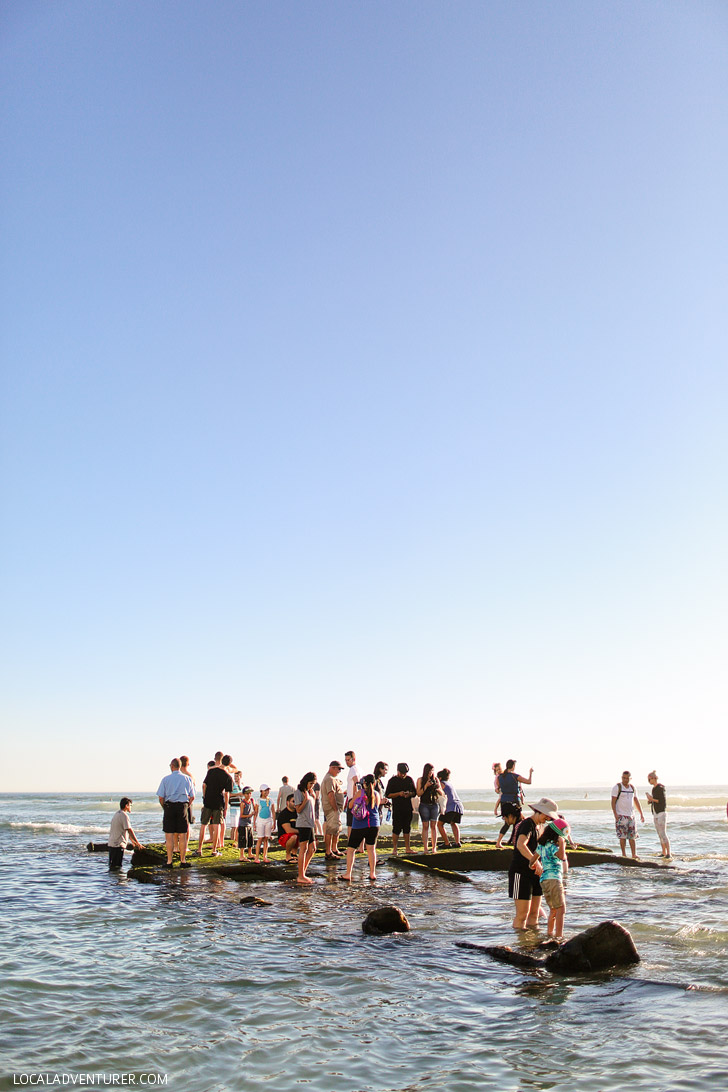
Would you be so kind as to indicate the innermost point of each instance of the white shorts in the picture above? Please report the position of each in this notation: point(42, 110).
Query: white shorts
point(264, 828)
point(660, 820)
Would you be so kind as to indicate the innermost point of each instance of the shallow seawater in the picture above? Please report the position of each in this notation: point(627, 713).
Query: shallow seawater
point(102, 975)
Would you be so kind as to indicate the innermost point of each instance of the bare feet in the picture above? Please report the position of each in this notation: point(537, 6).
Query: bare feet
point(304, 879)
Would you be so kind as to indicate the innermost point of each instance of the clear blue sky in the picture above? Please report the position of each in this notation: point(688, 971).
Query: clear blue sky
point(364, 386)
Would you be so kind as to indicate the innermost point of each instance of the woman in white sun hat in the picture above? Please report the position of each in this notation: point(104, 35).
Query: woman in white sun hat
point(524, 885)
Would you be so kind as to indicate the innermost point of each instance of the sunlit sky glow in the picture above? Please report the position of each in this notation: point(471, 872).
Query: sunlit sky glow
point(364, 387)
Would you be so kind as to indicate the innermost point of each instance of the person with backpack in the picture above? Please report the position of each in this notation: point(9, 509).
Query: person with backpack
point(624, 801)
point(511, 798)
point(364, 809)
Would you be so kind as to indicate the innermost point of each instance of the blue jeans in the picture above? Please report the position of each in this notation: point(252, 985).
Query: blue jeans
point(429, 813)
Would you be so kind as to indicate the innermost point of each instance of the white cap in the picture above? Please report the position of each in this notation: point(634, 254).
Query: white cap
point(264, 787)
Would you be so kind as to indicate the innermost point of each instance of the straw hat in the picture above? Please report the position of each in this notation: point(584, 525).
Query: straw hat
point(546, 807)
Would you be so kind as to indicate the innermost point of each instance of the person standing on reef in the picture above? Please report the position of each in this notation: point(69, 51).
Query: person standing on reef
point(234, 802)
point(175, 793)
point(303, 803)
point(352, 780)
point(184, 768)
point(120, 833)
point(428, 790)
point(332, 798)
point(401, 790)
point(217, 786)
point(364, 826)
point(658, 802)
point(453, 813)
point(624, 801)
point(511, 796)
point(283, 793)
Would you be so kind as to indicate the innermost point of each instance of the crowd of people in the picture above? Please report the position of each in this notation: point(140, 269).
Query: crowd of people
point(296, 817)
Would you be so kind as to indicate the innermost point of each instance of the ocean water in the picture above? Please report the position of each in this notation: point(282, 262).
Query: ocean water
point(109, 982)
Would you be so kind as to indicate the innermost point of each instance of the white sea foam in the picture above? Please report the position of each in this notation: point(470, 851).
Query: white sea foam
point(56, 828)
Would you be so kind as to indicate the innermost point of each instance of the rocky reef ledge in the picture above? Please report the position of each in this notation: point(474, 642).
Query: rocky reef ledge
point(475, 855)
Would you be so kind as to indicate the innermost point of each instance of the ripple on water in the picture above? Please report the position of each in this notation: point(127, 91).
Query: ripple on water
point(296, 994)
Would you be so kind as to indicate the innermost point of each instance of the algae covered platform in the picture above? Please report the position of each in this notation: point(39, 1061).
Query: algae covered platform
point(475, 855)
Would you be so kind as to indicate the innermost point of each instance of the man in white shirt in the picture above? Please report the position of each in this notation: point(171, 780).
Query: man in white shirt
point(624, 800)
point(120, 834)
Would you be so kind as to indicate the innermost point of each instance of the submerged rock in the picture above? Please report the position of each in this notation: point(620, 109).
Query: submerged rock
point(605, 945)
point(608, 944)
point(385, 919)
point(253, 900)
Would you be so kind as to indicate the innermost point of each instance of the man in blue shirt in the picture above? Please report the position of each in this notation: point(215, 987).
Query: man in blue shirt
point(175, 792)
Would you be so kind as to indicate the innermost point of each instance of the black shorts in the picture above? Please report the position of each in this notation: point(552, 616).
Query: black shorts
point(305, 834)
point(245, 837)
point(523, 885)
point(116, 856)
point(175, 819)
point(402, 823)
point(455, 817)
point(364, 834)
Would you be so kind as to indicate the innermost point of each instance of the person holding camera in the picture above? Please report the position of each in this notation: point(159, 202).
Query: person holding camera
point(428, 790)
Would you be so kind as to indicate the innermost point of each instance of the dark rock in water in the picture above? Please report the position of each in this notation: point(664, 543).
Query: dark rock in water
point(385, 919)
point(605, 945)
point(143, 875)
point(253, 900)
point(608, 944)
point(98, 847)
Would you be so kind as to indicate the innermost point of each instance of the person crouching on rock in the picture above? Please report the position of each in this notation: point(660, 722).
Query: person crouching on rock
point(524, 885)
point(287, 836)
point(552, 854)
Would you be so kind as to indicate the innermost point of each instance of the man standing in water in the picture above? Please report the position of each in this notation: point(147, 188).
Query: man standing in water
point(624, 801)
point(657, 801)
point(120, 834)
